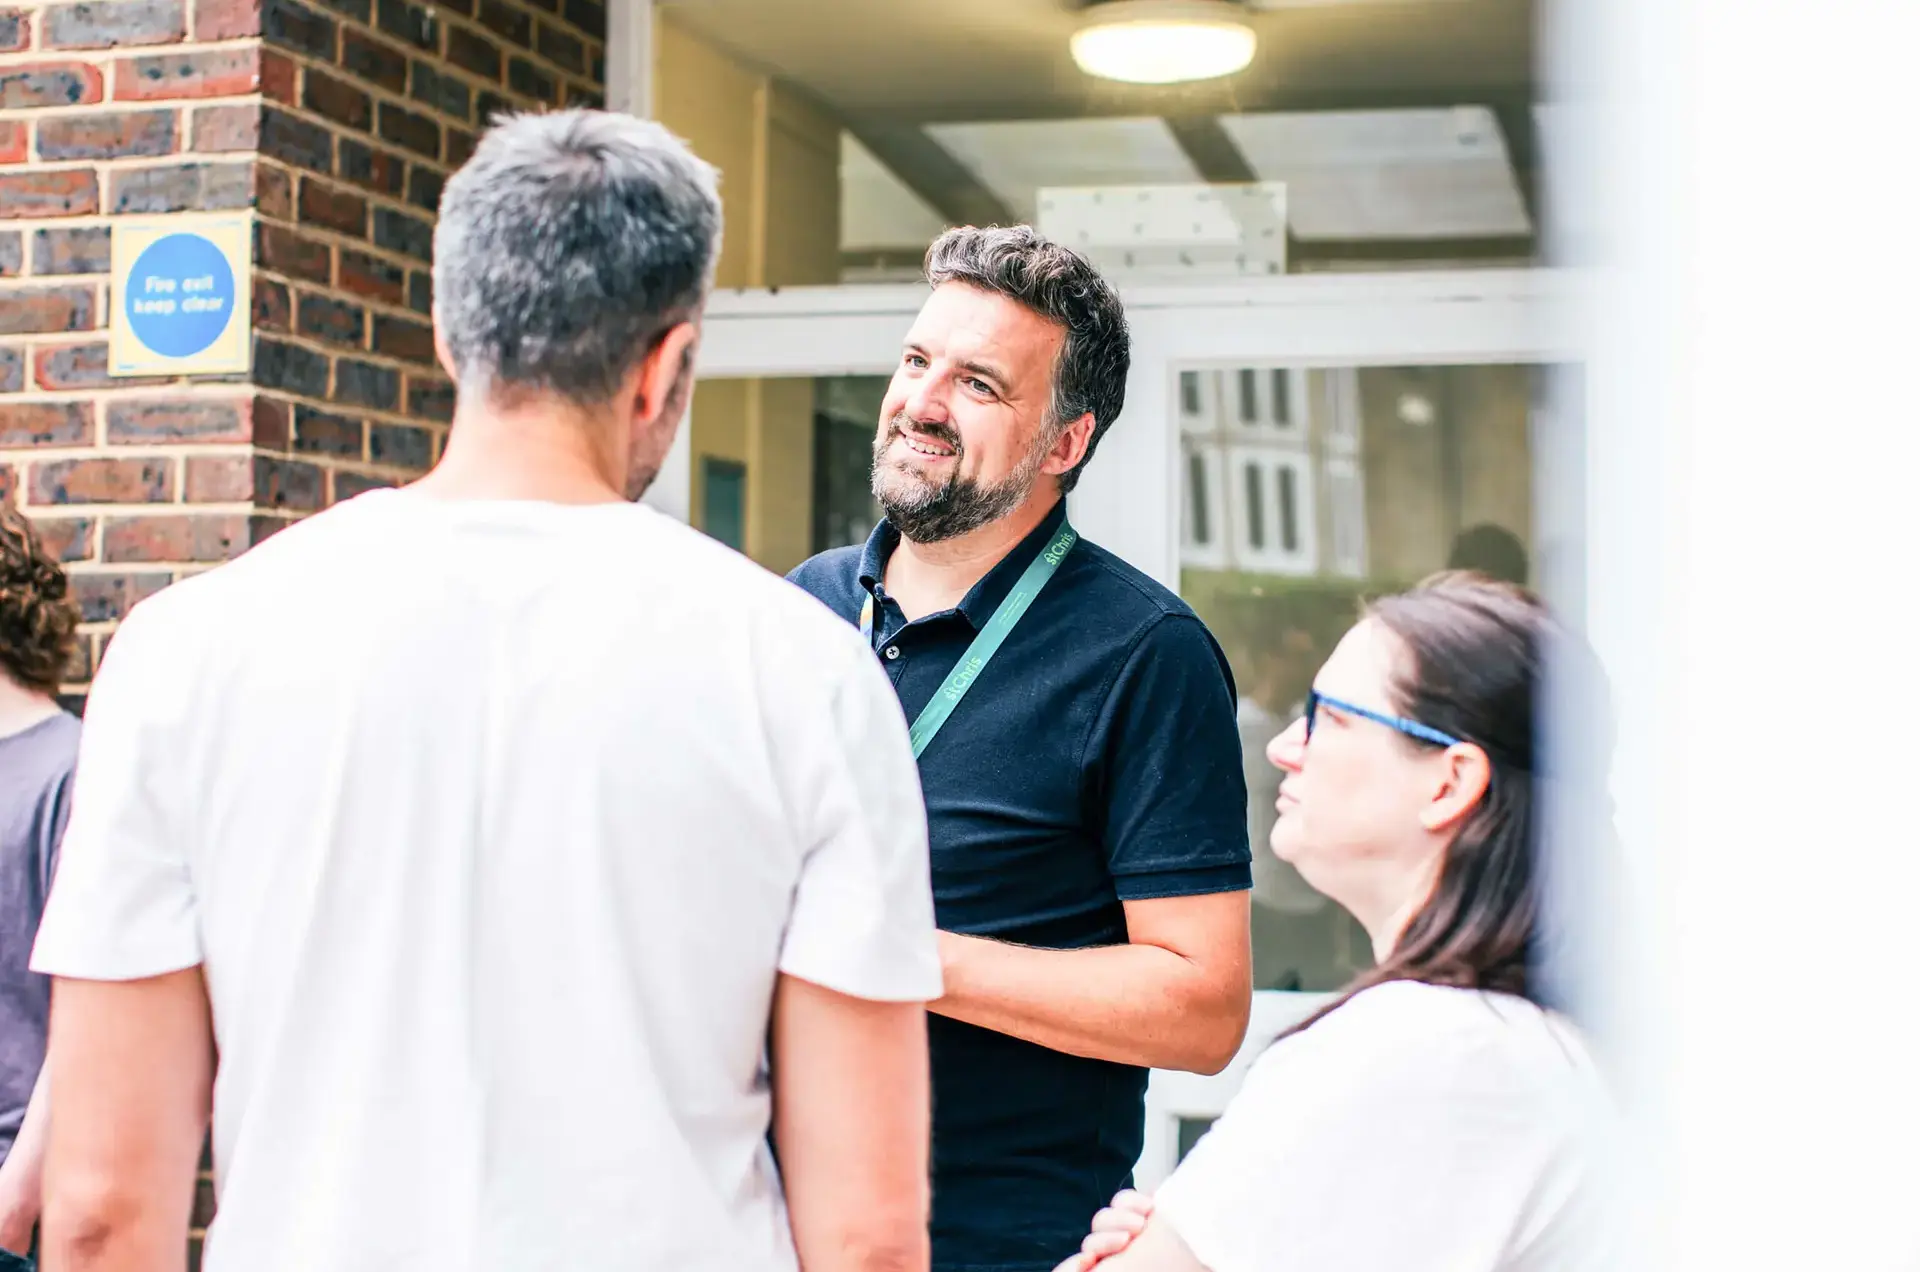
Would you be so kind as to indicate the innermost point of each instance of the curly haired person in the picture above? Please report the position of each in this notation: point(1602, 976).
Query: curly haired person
point(38, 744)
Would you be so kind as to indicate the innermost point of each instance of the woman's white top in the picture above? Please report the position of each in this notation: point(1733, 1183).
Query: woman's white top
point(1415, 1129)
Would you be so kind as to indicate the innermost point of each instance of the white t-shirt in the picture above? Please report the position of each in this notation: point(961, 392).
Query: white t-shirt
point(491, 824)
point(1415, 1129)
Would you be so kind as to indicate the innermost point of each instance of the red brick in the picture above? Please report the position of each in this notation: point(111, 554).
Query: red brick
point(279, 77)
point(272, 423)
point(317, 432)
point(8, 480)
point(219, 479)
point(370, 276)
point(36, 309)
point(111, 24)
point(209, 73)
point(81, 366)
point(404, 339)
point(272, 305)
point(473, 53)
point(417, 133)
point(227, 128)
point(337, 100)
point(66, 538)
point(111, 136)
point(13, 142)
point(175, 537)
point(157, 421)
point(49, 84)
point(16, 30)
point(86, 250)
point(62, 192)
point(287, 483)
point(372, 169)
point(460, 146)
point(378, 64)
point(13, 370)
point(225, 19)
point(347, 485)
point(273, 191)
point(430, 399)
point(332, 207)
point(184, 187)
point(285, 252)
point(334, 321)
point(106, 598)
point(85, 481)
point(45, 424)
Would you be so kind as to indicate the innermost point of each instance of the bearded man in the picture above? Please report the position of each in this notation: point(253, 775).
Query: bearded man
point(1074, 724)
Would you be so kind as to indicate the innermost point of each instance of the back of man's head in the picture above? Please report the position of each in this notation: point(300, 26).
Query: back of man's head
point(567, 246)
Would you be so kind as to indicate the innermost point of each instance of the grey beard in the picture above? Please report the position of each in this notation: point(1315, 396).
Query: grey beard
point(928, 514)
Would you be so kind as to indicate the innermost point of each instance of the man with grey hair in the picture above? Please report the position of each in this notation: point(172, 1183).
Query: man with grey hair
point(1074, 724)
point(507, 868)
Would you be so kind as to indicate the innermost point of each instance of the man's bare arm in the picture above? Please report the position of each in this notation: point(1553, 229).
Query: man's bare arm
point(20, 1175)
point(1177, 996)
point(852, 1114)
point(130, 1065)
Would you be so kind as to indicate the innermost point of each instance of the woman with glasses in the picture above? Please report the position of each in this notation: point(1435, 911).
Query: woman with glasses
point(1435, 1115)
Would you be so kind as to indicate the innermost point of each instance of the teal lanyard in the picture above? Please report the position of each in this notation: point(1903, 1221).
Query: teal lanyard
point(986, 644)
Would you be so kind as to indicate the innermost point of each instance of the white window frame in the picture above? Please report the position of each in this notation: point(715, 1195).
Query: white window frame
point(1129, 500)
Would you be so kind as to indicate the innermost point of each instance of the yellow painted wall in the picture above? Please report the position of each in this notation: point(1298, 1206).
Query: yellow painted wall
point(779, 160)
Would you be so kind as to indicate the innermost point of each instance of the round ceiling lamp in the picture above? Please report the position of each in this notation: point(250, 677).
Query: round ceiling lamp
point(1163, 41)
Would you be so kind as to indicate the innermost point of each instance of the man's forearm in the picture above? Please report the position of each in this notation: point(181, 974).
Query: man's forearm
point(1132, 1004)
point(20, 1175)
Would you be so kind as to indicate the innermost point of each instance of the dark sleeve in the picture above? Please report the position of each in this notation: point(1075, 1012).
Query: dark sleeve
point(1167, 761)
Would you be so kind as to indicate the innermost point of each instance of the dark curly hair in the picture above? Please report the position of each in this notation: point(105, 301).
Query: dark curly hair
point(1090, 375)
point(37, 619)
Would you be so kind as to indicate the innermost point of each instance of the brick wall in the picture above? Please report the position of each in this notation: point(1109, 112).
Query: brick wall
point(339, 124)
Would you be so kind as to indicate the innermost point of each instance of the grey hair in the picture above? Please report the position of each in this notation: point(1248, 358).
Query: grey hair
point(1090, 375)
point(567, 246)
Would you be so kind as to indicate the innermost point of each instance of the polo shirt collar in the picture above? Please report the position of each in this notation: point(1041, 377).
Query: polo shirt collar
point(985, 597)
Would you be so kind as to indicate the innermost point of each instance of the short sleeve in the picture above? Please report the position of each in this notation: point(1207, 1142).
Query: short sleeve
point(122, 904)
point(1367, 1150)
point(1174, 793)
point(862, 921)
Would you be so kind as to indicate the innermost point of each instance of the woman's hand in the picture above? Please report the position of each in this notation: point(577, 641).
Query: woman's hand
point(1114, 1229)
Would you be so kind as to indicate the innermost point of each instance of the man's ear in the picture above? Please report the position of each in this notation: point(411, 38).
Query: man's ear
point(660, 371)
point(1070, 447)
point(441, 353)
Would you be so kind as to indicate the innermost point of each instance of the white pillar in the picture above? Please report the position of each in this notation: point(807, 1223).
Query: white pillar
point(1752, 464)
point(630, 57)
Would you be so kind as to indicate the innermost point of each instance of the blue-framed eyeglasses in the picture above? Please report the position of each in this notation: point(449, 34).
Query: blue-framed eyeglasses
point(1412, 728)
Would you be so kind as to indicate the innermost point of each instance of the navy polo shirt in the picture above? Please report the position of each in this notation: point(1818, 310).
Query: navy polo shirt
point(1095, 760)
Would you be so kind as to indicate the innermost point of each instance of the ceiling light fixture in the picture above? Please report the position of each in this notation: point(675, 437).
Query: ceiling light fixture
point(1163, 41)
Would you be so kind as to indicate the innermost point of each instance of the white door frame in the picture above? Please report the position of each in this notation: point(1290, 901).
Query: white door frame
point(1129, 499)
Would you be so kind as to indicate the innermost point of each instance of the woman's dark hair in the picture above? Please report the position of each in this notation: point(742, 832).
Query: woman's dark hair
point(37, 619)
point(1477, 650)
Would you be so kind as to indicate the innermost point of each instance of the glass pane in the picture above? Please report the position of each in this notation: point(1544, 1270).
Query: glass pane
point(1190, 392)
point(1392, 474)
point(1282, 407)
point(1197, 500)
point(723, 485)
point(782, 467)
point(1256, 510)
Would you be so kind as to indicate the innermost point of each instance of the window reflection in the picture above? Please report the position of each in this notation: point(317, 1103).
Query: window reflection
point(1307, 490)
